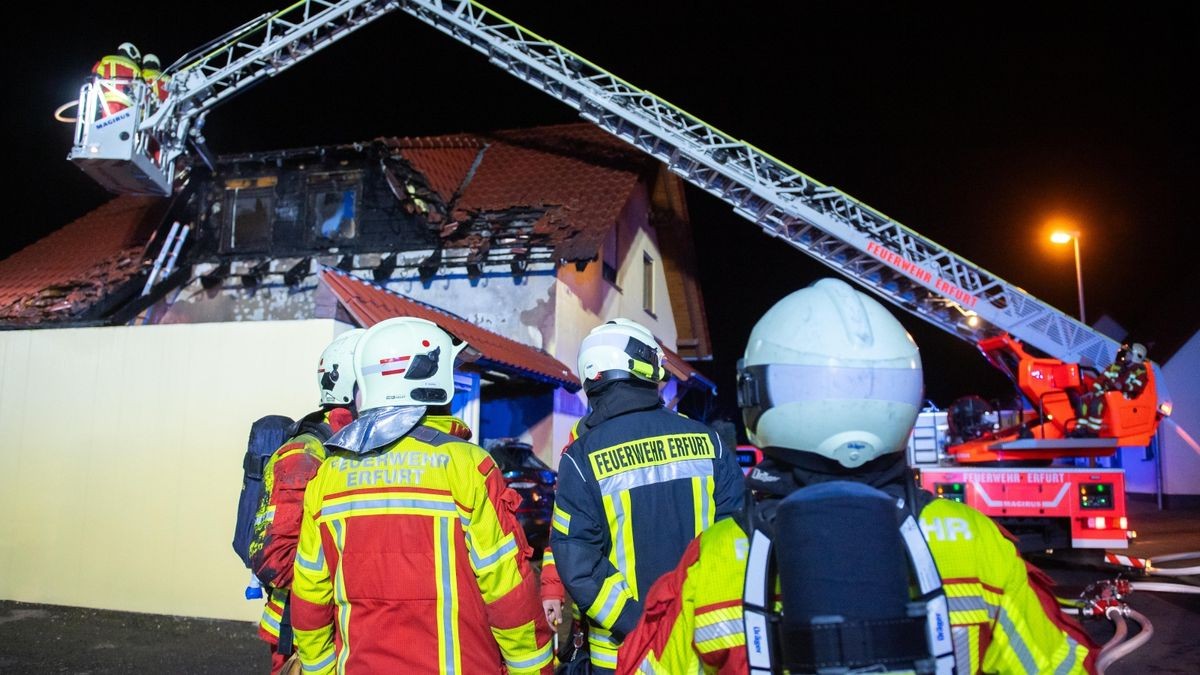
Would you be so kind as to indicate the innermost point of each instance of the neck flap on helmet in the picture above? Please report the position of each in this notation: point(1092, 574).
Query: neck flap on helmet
point(377, 428)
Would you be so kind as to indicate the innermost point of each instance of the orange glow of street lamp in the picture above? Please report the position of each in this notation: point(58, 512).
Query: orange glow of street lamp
point(1062, 237)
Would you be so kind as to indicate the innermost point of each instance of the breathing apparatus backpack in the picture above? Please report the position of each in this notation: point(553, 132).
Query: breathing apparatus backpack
point(843, 558)
point(266, 435)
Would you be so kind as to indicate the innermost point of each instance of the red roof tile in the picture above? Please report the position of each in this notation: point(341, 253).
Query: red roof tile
point(64, 273)
point(369, 304)
point(683, 371)
point(580, 175)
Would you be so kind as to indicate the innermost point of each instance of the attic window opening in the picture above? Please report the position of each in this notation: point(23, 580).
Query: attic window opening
point(248, 219)
point(609, 262)
point(333, 210)
point(648, 283)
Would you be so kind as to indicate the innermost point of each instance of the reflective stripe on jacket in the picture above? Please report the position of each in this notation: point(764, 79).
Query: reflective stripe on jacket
point(411, 560)
point(634, 490)
point(115, 66)
point(1003, 615)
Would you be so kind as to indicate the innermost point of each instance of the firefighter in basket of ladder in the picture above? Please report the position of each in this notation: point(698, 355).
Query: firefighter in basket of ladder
point(828, 567)
point(1126, 374)
point(116, 75)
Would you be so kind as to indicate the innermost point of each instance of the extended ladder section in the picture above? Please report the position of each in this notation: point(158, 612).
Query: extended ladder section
point(911, 271)
point(850, 237)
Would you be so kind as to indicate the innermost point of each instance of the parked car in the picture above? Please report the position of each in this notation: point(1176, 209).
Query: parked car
point(531, 478)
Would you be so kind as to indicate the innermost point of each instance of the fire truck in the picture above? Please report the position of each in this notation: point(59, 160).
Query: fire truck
point(1026, 466)
point(150, 145)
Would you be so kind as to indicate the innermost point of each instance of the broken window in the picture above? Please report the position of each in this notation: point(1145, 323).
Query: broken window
point(647, 283)
point(333, 207)
point(247, 219)
point(609, 263)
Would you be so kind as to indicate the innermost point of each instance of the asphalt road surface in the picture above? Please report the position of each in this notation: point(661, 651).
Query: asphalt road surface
point(54, 639)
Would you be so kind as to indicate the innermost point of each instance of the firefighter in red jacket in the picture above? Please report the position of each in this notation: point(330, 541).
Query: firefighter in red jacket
point(286, 474)
point(830, 387)
point(115, 75)
point(411, 558)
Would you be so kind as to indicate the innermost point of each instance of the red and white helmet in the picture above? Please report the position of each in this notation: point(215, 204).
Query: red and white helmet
point(405, 361)
point(335, 372)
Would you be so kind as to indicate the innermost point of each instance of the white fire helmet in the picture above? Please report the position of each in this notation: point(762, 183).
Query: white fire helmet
point(130, 50)
point(405, 361)
point(335, 372)
point(829, 371)
point(150, 62)
point(1137, 352)
point(620, 349)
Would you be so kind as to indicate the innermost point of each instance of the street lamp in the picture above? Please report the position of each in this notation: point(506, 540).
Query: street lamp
point(1062, 237)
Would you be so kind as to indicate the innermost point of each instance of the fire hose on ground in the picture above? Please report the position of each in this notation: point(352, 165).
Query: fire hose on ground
point(1107, 598)
point(1119, 647)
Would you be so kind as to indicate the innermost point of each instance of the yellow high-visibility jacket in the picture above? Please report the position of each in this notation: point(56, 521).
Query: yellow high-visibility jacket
point(411, 560)
point(1003, 615)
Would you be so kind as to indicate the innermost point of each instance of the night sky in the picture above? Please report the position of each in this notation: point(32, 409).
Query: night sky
point(971, 125)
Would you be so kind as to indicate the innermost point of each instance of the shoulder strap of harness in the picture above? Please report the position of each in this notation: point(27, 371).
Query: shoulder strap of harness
point(852, 644)
point(431, 436)
point(312, 424)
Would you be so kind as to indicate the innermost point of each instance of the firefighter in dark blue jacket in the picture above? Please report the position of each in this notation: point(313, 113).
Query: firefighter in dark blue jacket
point(635, 487)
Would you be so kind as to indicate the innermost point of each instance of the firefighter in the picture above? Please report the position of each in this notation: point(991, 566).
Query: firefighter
point(153, 76)
point(1126, 374)
point(411, 558)
point(1132, 379)
point(286, 474)
point(638, 483)
point(115, 75)
point(830, 388)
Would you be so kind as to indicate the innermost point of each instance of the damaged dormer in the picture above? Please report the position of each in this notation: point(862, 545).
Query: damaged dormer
point(523, 209)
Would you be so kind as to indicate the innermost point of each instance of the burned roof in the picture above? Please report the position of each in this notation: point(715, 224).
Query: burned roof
point(574, 178)
point(541, 194)
point(66, 274)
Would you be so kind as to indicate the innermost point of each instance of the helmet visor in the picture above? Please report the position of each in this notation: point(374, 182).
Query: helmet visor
point(763, 387)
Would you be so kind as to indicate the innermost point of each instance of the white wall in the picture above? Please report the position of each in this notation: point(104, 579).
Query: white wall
point(519, 308)
point(1181, 462)
point(122, 458)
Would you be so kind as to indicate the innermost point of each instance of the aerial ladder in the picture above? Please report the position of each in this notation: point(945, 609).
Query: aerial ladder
point(148, 148)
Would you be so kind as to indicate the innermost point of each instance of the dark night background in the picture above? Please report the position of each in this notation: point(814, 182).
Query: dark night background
point(972, 125)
